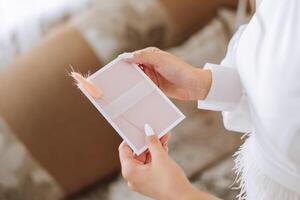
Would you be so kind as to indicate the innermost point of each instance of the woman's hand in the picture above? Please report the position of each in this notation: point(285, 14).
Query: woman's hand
point(161, 178)
point(176, 78)
point(145, 157)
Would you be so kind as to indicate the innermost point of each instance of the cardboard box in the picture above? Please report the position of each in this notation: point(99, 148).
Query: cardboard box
point(58, 125)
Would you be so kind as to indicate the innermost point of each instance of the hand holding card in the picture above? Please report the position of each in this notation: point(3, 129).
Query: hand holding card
point(128, 100)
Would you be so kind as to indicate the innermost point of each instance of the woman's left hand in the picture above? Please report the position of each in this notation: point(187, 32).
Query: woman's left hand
point(160, 177)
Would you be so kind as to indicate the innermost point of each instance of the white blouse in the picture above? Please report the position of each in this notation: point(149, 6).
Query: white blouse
point(257, 86)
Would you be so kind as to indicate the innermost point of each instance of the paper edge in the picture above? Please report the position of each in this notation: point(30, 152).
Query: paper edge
point(113, 124)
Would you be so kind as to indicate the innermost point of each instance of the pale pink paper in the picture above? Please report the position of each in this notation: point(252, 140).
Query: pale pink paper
point(130, 100)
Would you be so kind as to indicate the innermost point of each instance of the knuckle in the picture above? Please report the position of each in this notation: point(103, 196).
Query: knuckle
point(153, 49)
point(145, 54)
point(154, 140)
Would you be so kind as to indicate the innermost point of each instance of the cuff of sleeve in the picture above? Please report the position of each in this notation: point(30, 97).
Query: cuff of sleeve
point(225, 92)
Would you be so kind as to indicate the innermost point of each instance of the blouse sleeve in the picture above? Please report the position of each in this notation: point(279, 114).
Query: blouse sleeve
point(227, 93)
point(226, 90)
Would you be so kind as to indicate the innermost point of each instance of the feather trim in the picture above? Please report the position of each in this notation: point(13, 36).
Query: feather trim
point(253, 183)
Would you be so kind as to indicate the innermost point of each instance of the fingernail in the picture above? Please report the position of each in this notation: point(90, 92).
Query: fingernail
point(89, 86)
point(148, 130)
point(126, 55)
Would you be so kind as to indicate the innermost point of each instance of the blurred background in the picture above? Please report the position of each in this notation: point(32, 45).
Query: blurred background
point(53, 143)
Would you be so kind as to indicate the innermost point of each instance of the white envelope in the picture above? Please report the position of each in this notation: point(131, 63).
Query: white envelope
point(130, 100)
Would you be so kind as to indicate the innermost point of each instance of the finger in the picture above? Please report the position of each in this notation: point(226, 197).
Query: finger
point(155, 147)
point(150, 55)
point(142, 67)
point(164, 63)
point(164, 139)
point(142, 157)
point(166, 148)
point(127, 156)
point(148, 159)
point(150, 73)
point(148, 155)
point(125, 153)
point(131, 167)
point(146, 67)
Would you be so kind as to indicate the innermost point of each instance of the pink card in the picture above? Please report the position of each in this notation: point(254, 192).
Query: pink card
point(130, 100)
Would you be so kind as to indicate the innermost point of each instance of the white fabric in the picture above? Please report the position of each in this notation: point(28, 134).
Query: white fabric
point(258, 2)
point(254, 183)
point(265, 98)
point(218, 98)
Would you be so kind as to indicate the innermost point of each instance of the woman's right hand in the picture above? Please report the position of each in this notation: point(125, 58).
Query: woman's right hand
point(159, 178)
point(176, 78)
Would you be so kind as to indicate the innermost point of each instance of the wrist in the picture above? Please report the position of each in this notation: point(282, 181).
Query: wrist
point(189, 193)
point(183, 193)
point(193, 193)
point(202, 83)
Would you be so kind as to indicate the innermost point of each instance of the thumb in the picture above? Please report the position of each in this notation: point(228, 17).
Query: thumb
point(155, 147)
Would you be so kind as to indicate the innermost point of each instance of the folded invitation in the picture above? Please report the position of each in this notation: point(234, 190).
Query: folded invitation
point(130, 100)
